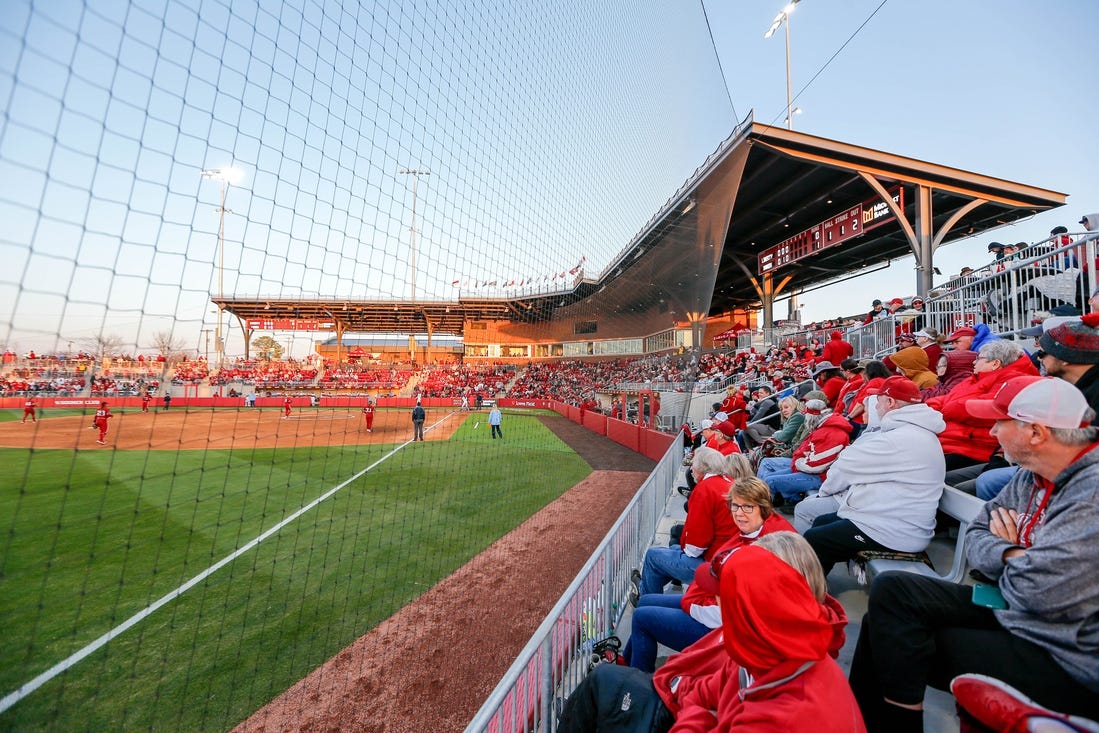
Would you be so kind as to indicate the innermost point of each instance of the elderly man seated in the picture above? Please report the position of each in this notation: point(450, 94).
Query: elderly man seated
point(884, 487)
point(1037, 628)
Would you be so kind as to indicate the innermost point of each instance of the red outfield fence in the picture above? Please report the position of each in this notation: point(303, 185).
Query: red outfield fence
point(649, 443)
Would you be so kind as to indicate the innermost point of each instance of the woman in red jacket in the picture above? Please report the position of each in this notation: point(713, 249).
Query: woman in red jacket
point(778, 634)
point(708, 526)
point(623, 698)
point(679, 620)
point(967, 440)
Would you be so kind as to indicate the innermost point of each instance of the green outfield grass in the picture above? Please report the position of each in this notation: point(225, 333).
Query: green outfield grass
point(92, 537)
point(43, 413)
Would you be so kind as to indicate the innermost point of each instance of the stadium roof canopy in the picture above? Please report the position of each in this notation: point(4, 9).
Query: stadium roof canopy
point(760, 188)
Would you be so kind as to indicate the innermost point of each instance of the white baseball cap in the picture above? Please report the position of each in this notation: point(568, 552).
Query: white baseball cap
point(1041, 400)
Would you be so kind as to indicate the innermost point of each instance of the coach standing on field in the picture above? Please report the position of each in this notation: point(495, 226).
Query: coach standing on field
point(418, 417)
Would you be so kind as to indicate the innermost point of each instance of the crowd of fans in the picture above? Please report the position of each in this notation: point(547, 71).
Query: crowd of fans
point(191, 372)
point(350, 376)
point(463, 380)
point(858, 462)
point(267, 375)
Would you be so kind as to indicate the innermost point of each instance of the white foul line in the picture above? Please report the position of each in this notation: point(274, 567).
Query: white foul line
point(27, 688)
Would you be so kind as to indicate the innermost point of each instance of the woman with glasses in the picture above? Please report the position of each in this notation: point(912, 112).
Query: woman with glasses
point(678, 620)
point(790, 632)
point(967, 440)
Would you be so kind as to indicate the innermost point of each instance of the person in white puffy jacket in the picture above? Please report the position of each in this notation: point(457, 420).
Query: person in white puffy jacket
point(886, 485)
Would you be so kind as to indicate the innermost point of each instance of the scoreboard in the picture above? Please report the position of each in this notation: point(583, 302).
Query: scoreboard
point(830, 232)
point(285, 324)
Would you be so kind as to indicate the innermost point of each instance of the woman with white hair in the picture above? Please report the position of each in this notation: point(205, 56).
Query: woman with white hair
point(967, 440)
point(709, 525)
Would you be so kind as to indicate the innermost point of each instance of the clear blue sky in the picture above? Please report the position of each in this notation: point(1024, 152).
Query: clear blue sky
point(1002, 88)
point(552, 133)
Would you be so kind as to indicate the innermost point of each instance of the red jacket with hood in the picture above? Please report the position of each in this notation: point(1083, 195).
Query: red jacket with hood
point(700, 605)
point(822, 447)
point(737, 410)
point(778, 675)
point(836, 350)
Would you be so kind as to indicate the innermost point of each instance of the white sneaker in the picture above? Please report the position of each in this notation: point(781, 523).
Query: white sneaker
point(101, 442)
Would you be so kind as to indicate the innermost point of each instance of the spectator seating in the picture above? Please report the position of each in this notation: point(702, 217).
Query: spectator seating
point(954, 503)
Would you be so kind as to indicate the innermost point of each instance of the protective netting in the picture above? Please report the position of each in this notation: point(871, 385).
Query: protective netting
point(182, 562)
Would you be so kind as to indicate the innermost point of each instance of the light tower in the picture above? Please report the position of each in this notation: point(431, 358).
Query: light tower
point(226, 175)
point(415, 173)
point(783, 18)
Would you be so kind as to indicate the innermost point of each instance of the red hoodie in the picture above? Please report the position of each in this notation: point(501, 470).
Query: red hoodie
point(779, 675)
point(823, 446)
point(697, 602)
point(967, 435)
point(836, 350)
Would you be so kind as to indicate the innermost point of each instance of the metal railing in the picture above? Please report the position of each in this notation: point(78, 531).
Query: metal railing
point(1007, 295)
point(556, 658)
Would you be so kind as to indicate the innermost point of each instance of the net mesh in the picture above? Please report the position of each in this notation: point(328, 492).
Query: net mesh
point(159, 157)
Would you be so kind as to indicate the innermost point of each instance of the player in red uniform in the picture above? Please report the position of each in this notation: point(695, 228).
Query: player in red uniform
point(368, 415)
point(102, 415)
point(146, 398)
point(286, 405)
point(28, 410)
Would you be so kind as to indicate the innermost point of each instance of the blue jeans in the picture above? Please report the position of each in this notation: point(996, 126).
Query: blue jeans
point(794, 485)
point(991, 483)
point(771, 466)
point(663, 564)
point(659, 619)
point(778, 473)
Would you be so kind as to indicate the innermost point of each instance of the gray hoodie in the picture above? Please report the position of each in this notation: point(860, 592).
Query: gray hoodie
point(1091, 222)
point(888, 482)
point(1052, 591)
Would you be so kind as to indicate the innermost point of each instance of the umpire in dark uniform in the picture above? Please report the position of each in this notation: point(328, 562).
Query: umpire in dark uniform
point(418, 417)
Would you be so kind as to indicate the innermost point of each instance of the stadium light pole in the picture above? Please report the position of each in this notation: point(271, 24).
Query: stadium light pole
point(783, 19)
point(415, 173)
point(225, 176)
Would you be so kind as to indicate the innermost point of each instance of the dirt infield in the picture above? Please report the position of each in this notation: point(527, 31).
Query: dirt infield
point(224, 429)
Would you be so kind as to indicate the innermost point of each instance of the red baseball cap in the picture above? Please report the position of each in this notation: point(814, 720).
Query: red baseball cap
point(899, 388)
point(963, 331)
point(726, 428)
point(1043, 400)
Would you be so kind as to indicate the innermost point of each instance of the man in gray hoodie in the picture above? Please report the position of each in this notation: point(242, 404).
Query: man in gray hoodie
point(885, 486)
point(1038, 539)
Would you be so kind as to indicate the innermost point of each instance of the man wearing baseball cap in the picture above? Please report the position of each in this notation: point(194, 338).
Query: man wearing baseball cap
point(883, 490)
point(1068, 348)
point(961, 338)
point(1038, 539)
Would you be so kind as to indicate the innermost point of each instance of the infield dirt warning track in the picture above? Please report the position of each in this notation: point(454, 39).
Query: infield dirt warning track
point(223, 429)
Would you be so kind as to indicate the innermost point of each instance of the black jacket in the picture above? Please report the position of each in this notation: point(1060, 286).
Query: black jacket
point(1089, 385)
